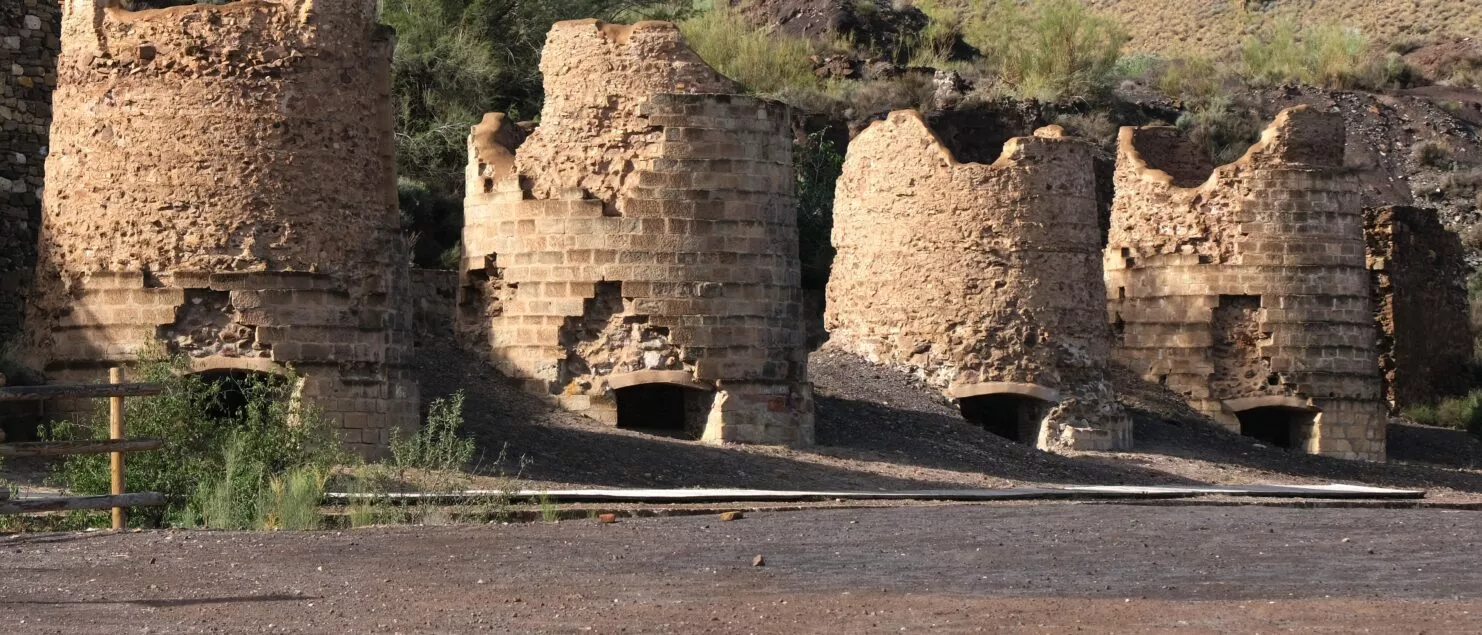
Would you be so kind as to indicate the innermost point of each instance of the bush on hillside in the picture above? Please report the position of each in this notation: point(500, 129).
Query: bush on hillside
point(1326, 55)
point(762, 60)
point(1046, 49)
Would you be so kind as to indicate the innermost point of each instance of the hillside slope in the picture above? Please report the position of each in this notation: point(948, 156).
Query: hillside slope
point(1216, 26)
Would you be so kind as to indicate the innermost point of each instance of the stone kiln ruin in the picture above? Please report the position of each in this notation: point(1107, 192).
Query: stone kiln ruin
point(982, 279)
point(637, 258)
point(222, 182)
point(1418, 268)
point(1243, 287)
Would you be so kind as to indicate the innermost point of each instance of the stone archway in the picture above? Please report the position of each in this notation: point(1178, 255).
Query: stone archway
point(1013, 411)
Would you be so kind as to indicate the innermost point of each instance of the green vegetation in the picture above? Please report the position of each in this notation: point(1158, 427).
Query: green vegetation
point(819, 163)
point(1325, 55)
point(438, 445)
point(243, 452)
point(1046, 49)
point(1459, 413)
point(252, 424)
point(762, 61)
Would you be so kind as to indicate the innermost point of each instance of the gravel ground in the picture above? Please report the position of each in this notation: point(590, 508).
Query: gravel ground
point(1018, 568)
point(879, 429)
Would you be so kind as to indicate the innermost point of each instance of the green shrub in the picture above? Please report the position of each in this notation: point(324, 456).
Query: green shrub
point(818, 164)
point(762, 60)
point(1457, 413)
point(1046, 49)
point(1433, 154)
point(1094, 126)
point(212, 459)
point(932, 47)
point(1325, 55)
point(1224, 128)
point(439, 445)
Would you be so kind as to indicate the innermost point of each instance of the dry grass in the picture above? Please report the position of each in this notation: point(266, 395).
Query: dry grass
point(1220, 26)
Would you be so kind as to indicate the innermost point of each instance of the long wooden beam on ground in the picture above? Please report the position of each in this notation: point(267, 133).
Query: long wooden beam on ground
point(38, 505)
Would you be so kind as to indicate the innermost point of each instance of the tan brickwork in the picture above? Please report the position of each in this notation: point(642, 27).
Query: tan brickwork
point(222, 182)
point(1419, 269)
point(1243, 287)
point(643, 234)
point(982, 279)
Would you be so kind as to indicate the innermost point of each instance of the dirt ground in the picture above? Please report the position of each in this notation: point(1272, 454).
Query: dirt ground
point(882, 430)
point(998, 568)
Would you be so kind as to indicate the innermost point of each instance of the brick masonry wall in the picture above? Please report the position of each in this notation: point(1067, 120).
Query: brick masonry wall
point(643, 234)
point(1250, 289)
point(1419, 268)
point(221, 184)
point(979, 278)
point(29, 43)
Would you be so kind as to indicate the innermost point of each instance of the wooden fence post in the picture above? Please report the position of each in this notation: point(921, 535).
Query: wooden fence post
point(116, 432)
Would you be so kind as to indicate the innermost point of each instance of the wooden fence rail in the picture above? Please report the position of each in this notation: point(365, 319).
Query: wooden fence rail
point(116, 447)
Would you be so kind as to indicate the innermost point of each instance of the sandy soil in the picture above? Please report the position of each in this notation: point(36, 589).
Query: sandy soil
point(1020, 568)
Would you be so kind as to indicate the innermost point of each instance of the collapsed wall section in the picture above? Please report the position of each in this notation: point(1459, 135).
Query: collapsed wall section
point(635, 259)
point(982, 279)
point(1418, 270)
point(221, 184)
point(29, 44)
point(1244, 287)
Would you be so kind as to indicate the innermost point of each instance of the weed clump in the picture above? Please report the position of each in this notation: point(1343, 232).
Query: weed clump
point(224, 440)
point(1458, 413)
point(762, 60)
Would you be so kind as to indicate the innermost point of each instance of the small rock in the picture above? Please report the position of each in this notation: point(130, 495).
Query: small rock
point(607, 519)
point(730, 516)
point(758, 561)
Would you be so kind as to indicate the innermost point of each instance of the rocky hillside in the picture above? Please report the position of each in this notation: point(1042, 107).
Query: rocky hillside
point(1213, 26)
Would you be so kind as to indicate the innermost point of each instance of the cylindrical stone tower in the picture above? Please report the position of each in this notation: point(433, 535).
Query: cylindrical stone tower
point(222, 182)
point(1244, 288)
point(983, 280)
point(636, 260)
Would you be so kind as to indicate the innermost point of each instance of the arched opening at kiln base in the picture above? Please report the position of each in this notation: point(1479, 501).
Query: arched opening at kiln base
point(664, 409)
point(231, 390)
point(1014, 417)
point(1278, 426)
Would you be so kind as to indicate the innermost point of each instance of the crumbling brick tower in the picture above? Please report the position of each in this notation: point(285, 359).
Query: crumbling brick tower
point(1243, 287)
point(636, 260)
point(982, 279)
point(1419, 272)
point(222, 182)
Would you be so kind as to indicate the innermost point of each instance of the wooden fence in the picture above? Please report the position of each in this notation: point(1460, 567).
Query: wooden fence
point(116, 447)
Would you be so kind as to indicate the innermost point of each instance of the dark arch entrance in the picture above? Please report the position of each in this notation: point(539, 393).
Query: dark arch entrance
point(1279, 426)
point(231, 390)
point(1012, 416)
point(664, 409)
